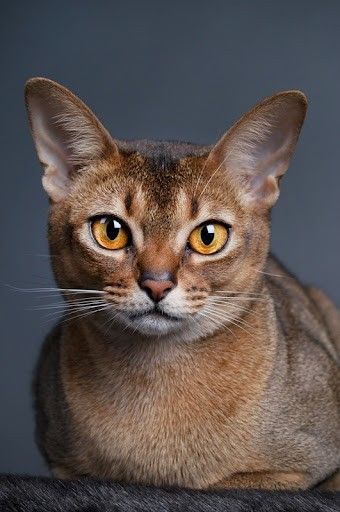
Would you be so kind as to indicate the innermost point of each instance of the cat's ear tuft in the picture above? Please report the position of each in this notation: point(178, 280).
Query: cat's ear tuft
point(256, 151)
point(66, 133)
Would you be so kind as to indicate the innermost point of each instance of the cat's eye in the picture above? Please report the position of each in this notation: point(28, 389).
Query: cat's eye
point(110, 232)
point(209, 237)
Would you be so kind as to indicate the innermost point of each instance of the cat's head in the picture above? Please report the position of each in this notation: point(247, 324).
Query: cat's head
point(167, 233)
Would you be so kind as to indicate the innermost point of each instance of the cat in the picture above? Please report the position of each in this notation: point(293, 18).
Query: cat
point(188, 355)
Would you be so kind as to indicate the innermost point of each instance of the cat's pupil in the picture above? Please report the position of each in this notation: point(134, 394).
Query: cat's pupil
point(112, 229)
point(208, 234)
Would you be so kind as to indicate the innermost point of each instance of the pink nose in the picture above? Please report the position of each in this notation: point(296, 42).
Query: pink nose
point(157, 290)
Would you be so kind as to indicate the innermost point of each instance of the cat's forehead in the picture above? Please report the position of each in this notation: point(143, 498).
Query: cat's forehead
point(150, 172)
point(158, 184)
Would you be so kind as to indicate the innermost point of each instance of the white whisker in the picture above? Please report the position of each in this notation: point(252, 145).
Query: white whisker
point(110, 321)
point(94, 309)
point(238, 322)
point(274, 275)
point(69, 304)
point(254, 299)
point(47, 290)
point(221, 310)
point(232, 292)
point(230, 303)
point(219, 324)
point(75, 308)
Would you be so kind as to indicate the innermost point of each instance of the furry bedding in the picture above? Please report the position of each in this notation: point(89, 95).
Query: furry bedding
point(34, 494)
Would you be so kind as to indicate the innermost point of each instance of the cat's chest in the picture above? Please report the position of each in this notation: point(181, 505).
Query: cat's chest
point(165, 427)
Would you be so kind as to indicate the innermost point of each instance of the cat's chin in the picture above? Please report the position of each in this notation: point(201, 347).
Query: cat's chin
point(154, 324)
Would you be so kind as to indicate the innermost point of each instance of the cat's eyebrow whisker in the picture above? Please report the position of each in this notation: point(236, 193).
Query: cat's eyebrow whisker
point(199, 178)
point(213, 174)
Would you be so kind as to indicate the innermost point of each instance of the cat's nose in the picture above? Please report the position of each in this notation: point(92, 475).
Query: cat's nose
point(156, 286)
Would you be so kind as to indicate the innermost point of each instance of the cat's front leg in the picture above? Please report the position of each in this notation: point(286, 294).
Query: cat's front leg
point(265, 480)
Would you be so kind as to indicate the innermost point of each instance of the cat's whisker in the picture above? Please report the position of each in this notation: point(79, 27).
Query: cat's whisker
point(72, 296)
point(67, 311)
point(80, 306)
point(68, 304)
point(219, 309)
point(55, 289)
point(218, 323)
point(210, 318)
point(273, 275)
point(110, 321)
point(233, 292)
point(196, 326)
point(238, 322)
point(232, 321)
point(230, 303)
point(252, 298)
point(228, 298)
point(96, 309)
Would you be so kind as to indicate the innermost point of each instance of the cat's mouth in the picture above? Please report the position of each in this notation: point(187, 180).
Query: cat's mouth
point(156, 312)
point(153, 322)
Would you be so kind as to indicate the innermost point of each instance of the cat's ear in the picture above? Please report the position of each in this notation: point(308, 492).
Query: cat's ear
point(66, 133)
point(256, 151)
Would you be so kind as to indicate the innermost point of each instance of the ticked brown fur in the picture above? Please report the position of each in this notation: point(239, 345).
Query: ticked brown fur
point(242, 393)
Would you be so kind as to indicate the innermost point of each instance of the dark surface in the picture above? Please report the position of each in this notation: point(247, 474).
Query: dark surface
point(165, 70)
point(24, 494)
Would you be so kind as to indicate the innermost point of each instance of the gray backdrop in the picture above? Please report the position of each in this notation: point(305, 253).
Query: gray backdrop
point(159, 69)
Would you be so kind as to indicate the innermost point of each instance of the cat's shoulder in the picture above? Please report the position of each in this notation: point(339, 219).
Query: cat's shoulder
point(309, 306)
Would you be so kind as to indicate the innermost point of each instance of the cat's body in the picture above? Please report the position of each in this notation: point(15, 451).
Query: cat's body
point(149, 422)
point(218, 369)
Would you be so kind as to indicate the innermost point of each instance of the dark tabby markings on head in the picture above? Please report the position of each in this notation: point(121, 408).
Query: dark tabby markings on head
point(194, 207)
point(128, 202)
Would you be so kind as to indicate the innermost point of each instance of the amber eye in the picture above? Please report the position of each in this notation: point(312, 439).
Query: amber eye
point(110, 233)
point(209, 237)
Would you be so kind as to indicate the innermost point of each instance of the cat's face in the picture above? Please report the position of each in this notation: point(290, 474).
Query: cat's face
point(172, 236)
point(138, 234)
